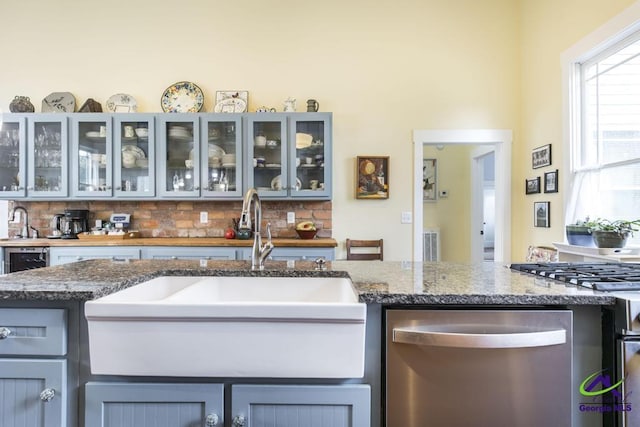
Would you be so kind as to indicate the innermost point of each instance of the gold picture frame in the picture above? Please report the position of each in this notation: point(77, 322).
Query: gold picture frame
point(372, 177)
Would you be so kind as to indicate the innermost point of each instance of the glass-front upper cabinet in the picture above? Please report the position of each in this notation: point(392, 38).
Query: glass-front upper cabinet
point(310, 154)
point(13, 161)
point(267, 154)
point(47, 156)
point(180, 155)
point(221, 160)
point(91, 155)
point(134, 155)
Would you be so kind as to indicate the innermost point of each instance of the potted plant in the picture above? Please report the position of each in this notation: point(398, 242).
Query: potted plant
point(612, 234)
point(579, 234)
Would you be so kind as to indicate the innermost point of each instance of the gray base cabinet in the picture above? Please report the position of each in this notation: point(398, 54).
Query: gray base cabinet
point(65, 255)
point(153, 405)
point(189, 405)
point(207, 253)
point(33, 393)
point(300, 405)
point(33, 371)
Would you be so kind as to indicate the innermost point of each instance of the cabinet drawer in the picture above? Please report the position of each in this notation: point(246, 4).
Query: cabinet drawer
point(33, 331)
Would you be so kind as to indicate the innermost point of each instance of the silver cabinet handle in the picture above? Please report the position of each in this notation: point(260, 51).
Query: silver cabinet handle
point(211, 420)
point(47, 394)
point(477, 336)
point(4, 333)
point(238, 421)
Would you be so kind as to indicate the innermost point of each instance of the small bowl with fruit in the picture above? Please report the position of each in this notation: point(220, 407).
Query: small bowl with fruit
point(306, 230)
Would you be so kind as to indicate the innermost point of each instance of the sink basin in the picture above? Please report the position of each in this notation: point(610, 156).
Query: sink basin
point(287, 327)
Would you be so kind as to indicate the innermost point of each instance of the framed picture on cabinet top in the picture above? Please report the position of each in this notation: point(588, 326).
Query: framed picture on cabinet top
point(532, 185)
point(372, 177)
point(231, 101)
point(541, 157)
point(551, 181)
point(541, 214)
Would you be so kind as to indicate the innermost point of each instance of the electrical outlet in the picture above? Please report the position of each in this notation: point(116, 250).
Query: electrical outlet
point(291, 217)
point(16, 216)
point(406, 218)
point(204, 217)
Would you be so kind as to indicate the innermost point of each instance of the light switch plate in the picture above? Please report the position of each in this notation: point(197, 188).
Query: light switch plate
point(406, 218)
point(204, 217)
point(291, 217)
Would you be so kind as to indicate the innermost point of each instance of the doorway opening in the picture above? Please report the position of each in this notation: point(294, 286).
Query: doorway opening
point(497, 141)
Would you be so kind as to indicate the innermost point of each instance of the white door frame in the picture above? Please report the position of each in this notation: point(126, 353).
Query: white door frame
point(501, 139)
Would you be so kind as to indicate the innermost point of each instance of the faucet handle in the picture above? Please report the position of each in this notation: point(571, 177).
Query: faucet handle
point(321, 264)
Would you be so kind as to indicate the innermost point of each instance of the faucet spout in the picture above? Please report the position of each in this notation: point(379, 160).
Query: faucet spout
point(25, 221)
point(259, 252)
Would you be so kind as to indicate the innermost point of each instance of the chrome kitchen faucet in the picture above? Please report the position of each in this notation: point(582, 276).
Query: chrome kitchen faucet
point(25, 222)
point(259, 252)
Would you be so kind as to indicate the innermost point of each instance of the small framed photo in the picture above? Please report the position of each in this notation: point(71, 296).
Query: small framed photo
point(541, 156)
point(429, 180)
point(541, 214)
point(372, 177)
point(532, 185)
point(551, 181)
point(226, 94)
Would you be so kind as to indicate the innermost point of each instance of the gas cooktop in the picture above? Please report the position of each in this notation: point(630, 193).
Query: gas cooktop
point(597, 276)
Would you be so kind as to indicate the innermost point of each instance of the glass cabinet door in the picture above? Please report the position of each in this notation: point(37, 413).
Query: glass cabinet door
point(13, 146)
point(179, 148)
point(267, 155)
point(134, 155)
point(222, 159)
point(91, 155)
point(310, 145)
point(48, 156)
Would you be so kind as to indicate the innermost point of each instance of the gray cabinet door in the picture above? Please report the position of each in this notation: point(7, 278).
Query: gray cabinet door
point(153, 405)
point(60, 255)
point(301, 406)
point(32, 393)
point(206, 253)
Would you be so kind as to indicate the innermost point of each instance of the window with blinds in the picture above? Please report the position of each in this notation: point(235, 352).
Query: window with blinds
point(606, 172)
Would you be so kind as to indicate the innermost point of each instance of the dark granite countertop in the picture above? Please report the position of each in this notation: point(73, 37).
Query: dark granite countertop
point(385, 282)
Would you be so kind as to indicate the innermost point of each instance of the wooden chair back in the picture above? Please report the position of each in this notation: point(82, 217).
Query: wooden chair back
point(364, 249)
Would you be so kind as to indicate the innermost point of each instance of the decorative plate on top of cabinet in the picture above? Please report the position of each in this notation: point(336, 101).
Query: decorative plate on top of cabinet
point(59, 102)
point(122, 103)
point(182, 97)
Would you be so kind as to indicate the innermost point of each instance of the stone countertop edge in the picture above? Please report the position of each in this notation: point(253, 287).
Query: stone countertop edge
point(376, 282)
point(318, 242)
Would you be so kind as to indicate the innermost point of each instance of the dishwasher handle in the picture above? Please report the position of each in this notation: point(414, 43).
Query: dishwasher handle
point(465, 336)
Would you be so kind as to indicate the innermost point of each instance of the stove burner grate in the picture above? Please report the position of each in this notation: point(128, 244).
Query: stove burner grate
point(596, 276)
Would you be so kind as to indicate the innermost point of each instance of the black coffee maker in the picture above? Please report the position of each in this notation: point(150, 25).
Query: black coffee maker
point(75, 221)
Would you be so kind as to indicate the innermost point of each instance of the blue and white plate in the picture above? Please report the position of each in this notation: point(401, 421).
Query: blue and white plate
point(182, 97)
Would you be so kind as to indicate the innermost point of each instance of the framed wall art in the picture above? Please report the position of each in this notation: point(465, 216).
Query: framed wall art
point(532, 185)
point(372, 177)
point(551, 181)
point(541, 214)
point(541, 156)
point(231, 101)
point(429, 180)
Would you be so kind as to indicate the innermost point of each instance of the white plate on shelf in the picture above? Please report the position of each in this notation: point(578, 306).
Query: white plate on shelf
point(276, 183)
point(139, 152)
point(93, 134)
point(273, 165)
point(122, 103)
point(228, 165)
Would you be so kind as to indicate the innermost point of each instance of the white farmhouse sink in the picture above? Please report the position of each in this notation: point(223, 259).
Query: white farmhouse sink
point(286, 327)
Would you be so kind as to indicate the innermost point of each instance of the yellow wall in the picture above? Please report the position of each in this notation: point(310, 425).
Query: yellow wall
point(383, 68)
point(451, 214)
point(549, 27)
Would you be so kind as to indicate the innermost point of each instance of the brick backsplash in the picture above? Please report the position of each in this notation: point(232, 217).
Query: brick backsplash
point(182, 218)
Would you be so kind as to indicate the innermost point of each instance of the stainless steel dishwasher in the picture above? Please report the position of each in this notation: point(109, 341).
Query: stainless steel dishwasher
point(478, 368)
